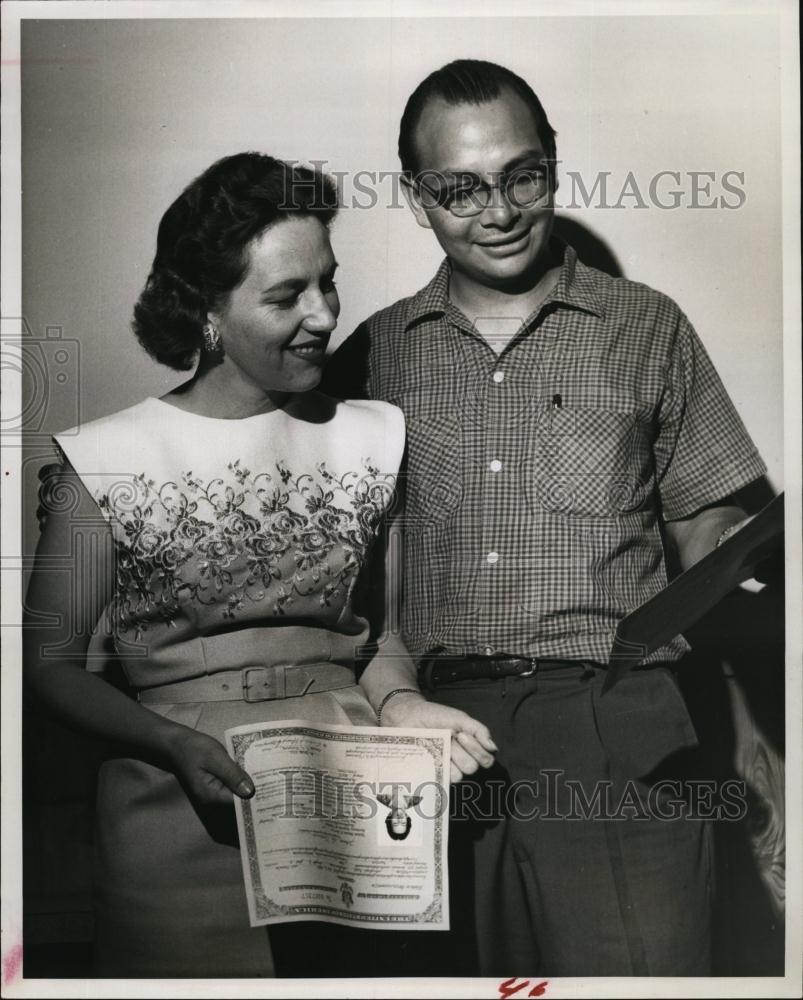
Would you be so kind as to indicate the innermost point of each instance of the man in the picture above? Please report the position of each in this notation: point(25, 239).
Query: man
point(563, 427)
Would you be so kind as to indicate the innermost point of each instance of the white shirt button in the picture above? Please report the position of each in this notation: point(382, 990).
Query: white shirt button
point(489, 650)
point(498, 377)
point(496, 465)
point(492, 557)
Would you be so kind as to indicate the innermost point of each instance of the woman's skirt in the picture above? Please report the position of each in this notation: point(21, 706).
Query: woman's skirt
point(170, 896)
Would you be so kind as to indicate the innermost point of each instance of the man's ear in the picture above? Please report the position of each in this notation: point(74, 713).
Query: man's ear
point(414, 202)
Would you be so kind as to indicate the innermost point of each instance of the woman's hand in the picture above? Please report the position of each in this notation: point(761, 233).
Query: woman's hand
point(204, 768)
point(472, 745)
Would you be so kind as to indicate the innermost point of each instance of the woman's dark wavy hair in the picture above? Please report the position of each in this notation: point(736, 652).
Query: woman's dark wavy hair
point(202, 242)
point(467, 81)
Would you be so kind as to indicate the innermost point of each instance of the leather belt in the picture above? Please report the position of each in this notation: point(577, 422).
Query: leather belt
point(254, 683)
point(438, 670)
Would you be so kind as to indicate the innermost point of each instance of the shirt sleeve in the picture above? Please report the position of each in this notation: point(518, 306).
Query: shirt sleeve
point(347, 373)
point(703, 452)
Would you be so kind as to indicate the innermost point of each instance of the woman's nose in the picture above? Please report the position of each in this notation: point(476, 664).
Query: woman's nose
point(322, 317)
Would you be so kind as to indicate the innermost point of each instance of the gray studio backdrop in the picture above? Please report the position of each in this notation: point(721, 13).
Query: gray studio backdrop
point(118, 115)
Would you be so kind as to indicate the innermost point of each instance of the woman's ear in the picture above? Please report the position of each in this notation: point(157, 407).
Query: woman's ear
point(413, 200)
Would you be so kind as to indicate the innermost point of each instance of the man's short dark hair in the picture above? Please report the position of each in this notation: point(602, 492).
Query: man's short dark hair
point(201, 246)
point(468, 81)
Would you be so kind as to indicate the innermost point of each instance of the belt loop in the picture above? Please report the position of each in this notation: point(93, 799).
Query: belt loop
point(308, 682)
point(425, 668)
point(279, 672)
point(588, 672)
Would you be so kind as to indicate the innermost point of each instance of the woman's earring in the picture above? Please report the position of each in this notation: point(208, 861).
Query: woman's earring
point(212, 342)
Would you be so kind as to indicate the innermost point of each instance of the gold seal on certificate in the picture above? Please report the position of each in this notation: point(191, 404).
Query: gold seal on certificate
point(348, 824)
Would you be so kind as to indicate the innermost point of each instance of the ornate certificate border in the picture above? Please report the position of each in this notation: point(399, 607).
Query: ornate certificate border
point(267, 908)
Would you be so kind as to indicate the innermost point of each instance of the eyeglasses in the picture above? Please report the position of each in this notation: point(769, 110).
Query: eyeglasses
point(521, 188)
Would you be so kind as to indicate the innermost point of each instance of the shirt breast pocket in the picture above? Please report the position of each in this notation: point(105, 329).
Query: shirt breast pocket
point(590, 463)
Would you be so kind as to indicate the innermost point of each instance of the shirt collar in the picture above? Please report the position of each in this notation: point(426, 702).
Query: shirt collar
point(577, 283)
point(433, 299)
point(576, 287)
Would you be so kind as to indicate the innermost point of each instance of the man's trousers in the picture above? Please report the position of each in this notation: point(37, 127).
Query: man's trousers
point(582, 851)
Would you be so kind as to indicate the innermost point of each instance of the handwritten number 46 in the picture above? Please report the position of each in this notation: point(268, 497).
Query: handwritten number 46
point(510, 987)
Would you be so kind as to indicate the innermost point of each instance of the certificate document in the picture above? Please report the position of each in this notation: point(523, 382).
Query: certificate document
point(349, 824)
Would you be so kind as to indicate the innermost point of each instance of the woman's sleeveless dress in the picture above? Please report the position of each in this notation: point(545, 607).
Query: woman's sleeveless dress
point(238, 545)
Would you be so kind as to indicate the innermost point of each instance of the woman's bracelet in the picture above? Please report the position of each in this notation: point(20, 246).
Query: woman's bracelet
point(388, 696)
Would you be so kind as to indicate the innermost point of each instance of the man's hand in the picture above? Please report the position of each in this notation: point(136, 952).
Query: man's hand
point(205, 770)
point(472, 745)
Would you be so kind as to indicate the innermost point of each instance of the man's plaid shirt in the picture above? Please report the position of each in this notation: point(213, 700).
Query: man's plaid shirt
point(536, 480)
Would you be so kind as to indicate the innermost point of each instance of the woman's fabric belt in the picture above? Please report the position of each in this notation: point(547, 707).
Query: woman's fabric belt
point(257, 683)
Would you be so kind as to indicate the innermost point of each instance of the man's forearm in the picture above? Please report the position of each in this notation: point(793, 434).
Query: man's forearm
point(694, 537)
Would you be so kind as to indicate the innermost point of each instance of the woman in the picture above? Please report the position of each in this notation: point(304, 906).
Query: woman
point(239, 510)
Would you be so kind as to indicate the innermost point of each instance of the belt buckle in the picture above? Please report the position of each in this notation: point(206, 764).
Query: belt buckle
point(533, 667)
point(266, 689)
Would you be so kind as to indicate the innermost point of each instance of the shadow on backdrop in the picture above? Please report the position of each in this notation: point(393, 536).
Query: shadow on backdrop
point(591, 249)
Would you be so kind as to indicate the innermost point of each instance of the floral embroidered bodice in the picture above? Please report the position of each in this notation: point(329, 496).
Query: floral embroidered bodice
point(231, 524)
point(273, 538)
